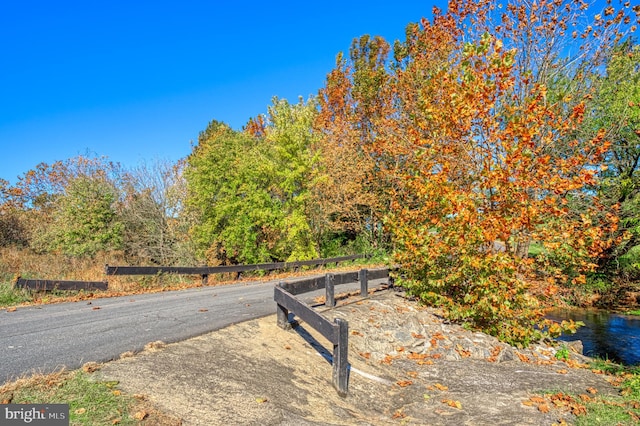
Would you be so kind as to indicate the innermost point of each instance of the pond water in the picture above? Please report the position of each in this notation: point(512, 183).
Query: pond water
point(605, 335)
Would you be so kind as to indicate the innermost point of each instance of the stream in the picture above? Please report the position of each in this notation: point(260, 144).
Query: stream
point(605, 335)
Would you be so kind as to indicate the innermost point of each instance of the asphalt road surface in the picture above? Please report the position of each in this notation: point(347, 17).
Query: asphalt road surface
point(47, 337)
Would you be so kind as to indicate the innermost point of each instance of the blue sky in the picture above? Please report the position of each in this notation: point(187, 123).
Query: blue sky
point(138, 80)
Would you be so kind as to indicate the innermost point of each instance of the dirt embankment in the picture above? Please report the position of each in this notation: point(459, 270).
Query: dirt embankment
point(407, 367)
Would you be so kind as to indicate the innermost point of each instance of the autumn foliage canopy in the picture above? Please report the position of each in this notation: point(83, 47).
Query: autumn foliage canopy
point(474, 142)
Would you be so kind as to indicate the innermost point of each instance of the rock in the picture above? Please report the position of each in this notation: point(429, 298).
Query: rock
point(575, 346)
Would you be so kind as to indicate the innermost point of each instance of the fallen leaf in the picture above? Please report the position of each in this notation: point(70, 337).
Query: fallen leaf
point(116, 421)
point(426, 397)
point(261, 400)
point(356, 333)
point(140, 415)
point(11, 309)
point(441, 387)
point(287, 347)
point(117, 392)
point(438, 336)
point(80, 411)
point(399, 415)
point(404, 383)
point(202, 310)
point(412, 374)
point(543, 408)
point(95, 308)
point(388, 359)
point(562, 372)
point(417, 336)
point(90, 367)
point(463, 352)
point(452, 403)
point(416, 356)
point(592, 390)
point(365, 355)
point(112, 384)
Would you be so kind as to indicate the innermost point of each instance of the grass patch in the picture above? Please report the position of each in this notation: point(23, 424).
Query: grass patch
point(10, 296)
point(622, 409)
point(634, 312)
point(91, 402)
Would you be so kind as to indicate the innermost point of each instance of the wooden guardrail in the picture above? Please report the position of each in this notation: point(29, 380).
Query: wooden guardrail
point(50, 285)
point(337, 332)
point(205, 271)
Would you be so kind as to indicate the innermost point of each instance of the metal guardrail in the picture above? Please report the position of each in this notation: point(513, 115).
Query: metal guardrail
point(337, 332)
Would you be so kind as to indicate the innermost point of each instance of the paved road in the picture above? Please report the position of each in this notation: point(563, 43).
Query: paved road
point(47, 337)
point(44, 338)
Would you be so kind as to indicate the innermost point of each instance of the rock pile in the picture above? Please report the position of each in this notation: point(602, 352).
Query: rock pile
point(390, 327)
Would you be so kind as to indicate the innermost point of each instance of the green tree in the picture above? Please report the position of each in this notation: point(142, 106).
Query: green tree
point(85, 220)
point(250, 190)
point(228, 191)
point(616, 108)
point(289, 139)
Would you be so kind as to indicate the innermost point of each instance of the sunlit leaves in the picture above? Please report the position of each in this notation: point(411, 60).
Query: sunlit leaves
point(250, 190)
point(480, 163)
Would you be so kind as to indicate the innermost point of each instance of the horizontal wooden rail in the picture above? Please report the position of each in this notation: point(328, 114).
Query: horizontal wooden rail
point(205, 271)
point(50, 285)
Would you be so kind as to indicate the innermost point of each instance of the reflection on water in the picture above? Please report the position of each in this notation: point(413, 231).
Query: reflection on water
point(605, 335)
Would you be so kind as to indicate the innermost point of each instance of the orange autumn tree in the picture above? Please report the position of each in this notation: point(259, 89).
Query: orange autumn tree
point(481, 162)
point(348, 199)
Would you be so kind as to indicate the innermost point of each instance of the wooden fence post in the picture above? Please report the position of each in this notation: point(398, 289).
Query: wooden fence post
point(364, 282)
point(282, 314)
point(330, 299)
point(340, 358)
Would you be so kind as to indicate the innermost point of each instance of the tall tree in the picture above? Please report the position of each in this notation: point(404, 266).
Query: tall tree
point(616, 108)
point(155, 222)
point(355, 98)
point(482, 161)
point(250, 189)
point(289, 139)
point(227, 192)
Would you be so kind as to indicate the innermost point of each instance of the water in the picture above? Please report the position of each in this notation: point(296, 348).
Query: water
point(605, 335)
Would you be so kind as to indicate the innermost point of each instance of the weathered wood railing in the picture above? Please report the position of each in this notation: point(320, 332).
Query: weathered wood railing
point(205, 271)
point(50, 285)
point(337, 332)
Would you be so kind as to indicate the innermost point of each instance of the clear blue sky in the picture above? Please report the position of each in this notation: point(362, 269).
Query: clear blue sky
point(138, 80)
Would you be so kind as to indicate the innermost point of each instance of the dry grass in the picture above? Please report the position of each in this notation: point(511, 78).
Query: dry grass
point(27, 264)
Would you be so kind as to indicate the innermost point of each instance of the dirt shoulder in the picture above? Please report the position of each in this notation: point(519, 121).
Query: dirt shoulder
point(407, 367)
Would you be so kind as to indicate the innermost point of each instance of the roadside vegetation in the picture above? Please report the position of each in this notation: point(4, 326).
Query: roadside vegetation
point(492, 155)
